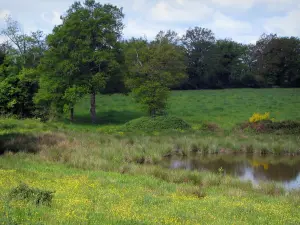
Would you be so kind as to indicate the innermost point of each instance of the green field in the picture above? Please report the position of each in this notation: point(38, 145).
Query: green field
point(103, 175)
point(223, 107)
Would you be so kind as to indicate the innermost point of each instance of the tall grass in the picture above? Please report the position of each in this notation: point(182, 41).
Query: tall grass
point(96, 150)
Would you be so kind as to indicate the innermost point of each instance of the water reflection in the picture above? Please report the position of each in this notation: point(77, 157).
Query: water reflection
point(285, 169)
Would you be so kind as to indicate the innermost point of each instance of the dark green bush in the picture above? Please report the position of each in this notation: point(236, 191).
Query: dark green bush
point(34, 195)
point(150, 124)
point(283, 127)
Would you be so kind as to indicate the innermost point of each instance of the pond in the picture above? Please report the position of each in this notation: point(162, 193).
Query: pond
point(284, 170)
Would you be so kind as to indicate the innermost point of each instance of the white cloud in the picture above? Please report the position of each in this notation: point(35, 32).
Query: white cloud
point(180, 11)
point(279, 5)
point(226, 24)
point(53, 18)
point(270, 5)
point(287, 25)
point(235, 4)
point(135, 28)
point(148, 29)
point(56, 18)
point(252, 39)
point(138, 4)
point(4, 13)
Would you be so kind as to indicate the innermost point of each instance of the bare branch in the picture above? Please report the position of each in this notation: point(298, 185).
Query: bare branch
point(138, 59)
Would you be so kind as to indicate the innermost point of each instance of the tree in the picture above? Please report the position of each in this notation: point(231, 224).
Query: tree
point(281, 62)
point(259, 51)
point(71, 96)
point(3, 53)
point(29, 48)
point(154, 67)
point(18, 74)
point(17, 91)
point(231, 65)
point(58, 74)
point(199, 44)
point(87, 43)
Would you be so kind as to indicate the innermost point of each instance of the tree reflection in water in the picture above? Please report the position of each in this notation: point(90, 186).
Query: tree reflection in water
point(285, 170)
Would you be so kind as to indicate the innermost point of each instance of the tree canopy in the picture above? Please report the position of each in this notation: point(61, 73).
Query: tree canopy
point(153, 68)
point(84, 53)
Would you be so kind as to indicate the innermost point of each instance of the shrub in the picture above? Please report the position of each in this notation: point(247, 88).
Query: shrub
point(257, 117)
point(151, 124)
point(212, 127)
point(37, 196)
point(285, 127)
point(28, 143)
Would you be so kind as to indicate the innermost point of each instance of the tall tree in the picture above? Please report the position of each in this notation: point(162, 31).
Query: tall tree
point(281, 62)
point(199, 43)
point(87, 42)
point(259, 52)
point(154, 67)
point(18, 75)
point(28, 48)
point(231, 65)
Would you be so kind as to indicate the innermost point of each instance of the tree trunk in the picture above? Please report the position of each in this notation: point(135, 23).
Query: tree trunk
point(152, 112)
point(93, 107)
point(72, 114)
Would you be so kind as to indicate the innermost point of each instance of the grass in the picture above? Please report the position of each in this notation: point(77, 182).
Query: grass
point(101, 174)
point(95, 197)
point(223, 107)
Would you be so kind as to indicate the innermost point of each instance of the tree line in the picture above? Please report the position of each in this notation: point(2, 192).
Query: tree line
point(44, 76)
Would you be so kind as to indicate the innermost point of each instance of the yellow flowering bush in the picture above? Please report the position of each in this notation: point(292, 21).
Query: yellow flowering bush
point(257, 117)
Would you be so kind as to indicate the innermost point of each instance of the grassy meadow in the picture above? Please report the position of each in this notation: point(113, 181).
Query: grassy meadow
point(96, 197)
point(226, 107)
point(102, 174)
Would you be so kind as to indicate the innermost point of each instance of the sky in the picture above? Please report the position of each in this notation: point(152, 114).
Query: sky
point(241, 20)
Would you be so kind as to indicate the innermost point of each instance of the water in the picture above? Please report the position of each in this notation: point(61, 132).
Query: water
point(284, 170)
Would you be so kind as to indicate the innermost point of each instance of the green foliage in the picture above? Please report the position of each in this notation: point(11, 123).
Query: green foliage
point(84, 51)
point(18, 73)
point(17, 92)
point(199, 44)
point(34, 195)
point(28, 48)
point(231, 66)
point(154, 67)
point(71, 97)
point(278, 60)
point(153, 96)
point(272, 61)
point(149, 124)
